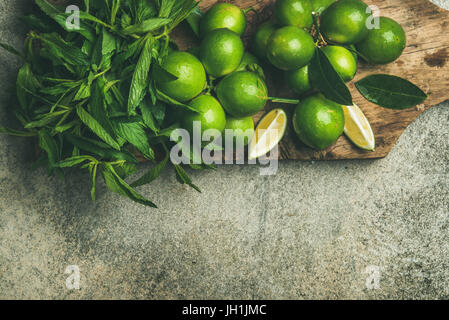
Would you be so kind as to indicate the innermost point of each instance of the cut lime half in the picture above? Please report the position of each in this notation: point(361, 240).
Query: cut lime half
point(269, 133)
point(358, 128)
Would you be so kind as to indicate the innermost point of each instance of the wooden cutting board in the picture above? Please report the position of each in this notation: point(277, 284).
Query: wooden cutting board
point(425, 62)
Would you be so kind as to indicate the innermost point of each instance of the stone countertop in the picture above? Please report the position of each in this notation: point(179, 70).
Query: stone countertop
point(350, 229)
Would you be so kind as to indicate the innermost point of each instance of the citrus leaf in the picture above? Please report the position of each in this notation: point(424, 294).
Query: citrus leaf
point(194, 20)
point(325, 79)
point(390, 91)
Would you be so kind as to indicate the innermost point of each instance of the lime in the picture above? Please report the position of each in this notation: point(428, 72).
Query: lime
point(358, 128)
point(248, 59)
point(318, 122)
point(290, 48)
point(242, 129)
point(320, 5)
point(342, 60)
point(221, 52)
point(344, 21)
point(190, 72)
point(223, 16)
point(242, 94)
point(383, 45)
point(298, 80)
point(210, 114)
point(269, 133)
point(294, 13)
point(261, 37)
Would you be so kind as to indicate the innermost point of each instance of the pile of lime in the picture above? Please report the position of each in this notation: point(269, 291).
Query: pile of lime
point(344, 30)
point(225, 84)
point(214, 79)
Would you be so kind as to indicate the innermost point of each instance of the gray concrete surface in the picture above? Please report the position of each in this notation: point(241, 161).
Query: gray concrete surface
point(311, 231)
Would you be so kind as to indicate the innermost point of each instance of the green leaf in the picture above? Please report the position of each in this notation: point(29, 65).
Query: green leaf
point(390, 91)
point(17, 133)
point(181, 10)
point(147, 116)
point(118, 185)
point(95, 126)
point(108, 43)
point(61, 18)
point(74, 161)
point(134, 133)
point(46, 119)
point(194, 20)
point(163, 75)
point(10, 49)
point(63, 50)
point(93, 171)
point(49, 145)
point(100, 149)
point(184, 178)
point(325, 79)
point(166, 8)
point(146, 26)
point(140, 78)
point(162, 96)
point(26, 83)
point(152, 174)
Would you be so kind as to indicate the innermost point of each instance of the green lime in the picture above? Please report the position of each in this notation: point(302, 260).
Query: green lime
point(221, 52)
point(260, 39)
point(342, 60)
point(345, 21)
point(210, 114)
point(298, 80)
point(290, 48)
point(318, 122)
point(383, 45)
point(191, 76)
point(320, 5)
point(242, 129)
point(223, 16)
point(294, 13)
point(242, 94)
point(248, 59)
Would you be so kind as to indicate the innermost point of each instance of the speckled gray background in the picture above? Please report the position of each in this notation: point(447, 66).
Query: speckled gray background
point(310, 231)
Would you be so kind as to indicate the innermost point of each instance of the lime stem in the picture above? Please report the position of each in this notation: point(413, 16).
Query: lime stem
point(283, 100)
point(319, 35)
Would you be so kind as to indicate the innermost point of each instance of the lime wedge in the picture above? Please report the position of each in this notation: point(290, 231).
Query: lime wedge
point(358, 128)
point(269, 133)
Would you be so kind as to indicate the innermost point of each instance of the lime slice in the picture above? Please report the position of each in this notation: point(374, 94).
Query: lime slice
point(269, 133)
point(358, 129)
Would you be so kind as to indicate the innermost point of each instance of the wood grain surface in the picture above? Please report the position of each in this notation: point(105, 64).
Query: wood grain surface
point(424, 62)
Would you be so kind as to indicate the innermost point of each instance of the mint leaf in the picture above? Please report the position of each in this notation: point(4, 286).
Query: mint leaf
point(139, 82)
